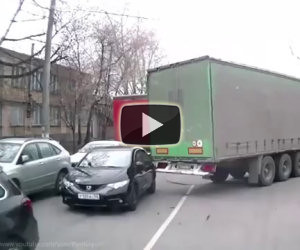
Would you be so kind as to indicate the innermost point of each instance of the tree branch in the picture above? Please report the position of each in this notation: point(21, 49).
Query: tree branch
point(31, 20)
point(21, 75)
point(21, 61)
point(31, 71)
point(28, 59)
point(23, 38)
point(293, 54)
point(21, 2)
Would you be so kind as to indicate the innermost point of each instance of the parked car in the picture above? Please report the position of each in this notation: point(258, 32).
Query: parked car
point(77, 157)
point(110, 176)
point(34, 164)
point(18, 227)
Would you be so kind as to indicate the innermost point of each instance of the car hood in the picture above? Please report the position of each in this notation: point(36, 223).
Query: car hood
point(75, 158)
point(98, 176)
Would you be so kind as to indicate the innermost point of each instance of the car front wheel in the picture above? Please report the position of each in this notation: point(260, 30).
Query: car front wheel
point(59, 182)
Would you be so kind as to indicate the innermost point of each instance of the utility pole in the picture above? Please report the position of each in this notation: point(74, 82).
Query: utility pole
point(46, 74)
point(29, 97)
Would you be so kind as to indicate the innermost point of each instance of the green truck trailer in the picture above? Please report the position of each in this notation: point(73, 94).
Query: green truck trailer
point(235, 120)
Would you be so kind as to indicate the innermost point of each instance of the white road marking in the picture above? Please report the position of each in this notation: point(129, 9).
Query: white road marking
point(164, 226)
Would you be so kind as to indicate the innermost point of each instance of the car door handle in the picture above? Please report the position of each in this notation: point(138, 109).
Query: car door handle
point(42, 163)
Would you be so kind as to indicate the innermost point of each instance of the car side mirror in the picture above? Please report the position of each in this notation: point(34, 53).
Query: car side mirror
point(25, 158)
point(73, 164)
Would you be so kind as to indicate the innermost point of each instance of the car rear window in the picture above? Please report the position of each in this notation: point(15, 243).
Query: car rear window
point(46, 150)
point(56, 149)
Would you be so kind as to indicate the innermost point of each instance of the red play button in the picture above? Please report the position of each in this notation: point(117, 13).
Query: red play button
point(147, 124)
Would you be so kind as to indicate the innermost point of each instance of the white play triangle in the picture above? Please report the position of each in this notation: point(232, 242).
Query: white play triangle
point(149, 124)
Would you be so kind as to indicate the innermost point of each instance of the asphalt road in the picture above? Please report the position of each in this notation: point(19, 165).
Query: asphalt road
point(228, 216)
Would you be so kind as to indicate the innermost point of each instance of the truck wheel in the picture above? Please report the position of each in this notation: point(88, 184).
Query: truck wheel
point(296, 165)
point(267, 172)
point(283, 167)
point(238, 173)
point(220, 175)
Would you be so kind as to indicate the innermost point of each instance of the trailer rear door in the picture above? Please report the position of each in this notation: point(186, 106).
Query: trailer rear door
point(187, 86)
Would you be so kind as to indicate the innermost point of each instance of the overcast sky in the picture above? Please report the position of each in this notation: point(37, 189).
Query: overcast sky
point(256, 32)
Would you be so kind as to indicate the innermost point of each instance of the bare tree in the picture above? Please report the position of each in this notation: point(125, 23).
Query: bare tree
point(5, 38)
point(106, 45)
point(115, 56)
point(12, 60)
point(142, 53)
point(123, 56)
point(77, 59)
point(12, 21)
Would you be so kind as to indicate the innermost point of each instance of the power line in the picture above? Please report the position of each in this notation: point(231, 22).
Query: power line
point(94, 11)
point(43, 42)
point(40, 6)
point(33, 14)
point(107, 13)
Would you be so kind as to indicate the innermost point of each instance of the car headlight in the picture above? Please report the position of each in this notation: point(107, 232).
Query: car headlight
point(67, 183)
point(117, 185)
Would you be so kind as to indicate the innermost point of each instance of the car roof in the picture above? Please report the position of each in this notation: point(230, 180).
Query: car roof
point(22, 140)
point(117, 148)
point(106, 142)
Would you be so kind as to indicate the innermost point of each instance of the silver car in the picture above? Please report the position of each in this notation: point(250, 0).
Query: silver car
point(34, 164)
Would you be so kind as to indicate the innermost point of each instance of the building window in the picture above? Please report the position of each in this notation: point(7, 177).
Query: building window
point(17, 115)
point(54, 116)
point(37, 115)
point(20, 81)
point(36, 81)
point(53, 84)
point(72, 85)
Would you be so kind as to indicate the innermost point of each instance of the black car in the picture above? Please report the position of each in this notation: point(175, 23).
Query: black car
point(18, 227)
point(110, 176)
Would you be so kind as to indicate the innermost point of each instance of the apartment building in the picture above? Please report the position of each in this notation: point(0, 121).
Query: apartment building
point(21, 98)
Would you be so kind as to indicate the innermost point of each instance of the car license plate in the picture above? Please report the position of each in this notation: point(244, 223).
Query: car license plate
point(184, 167)
point(89, 196)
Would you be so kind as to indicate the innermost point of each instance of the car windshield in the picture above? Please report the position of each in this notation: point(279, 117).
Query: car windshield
point(107, 158)
point(8, 151)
